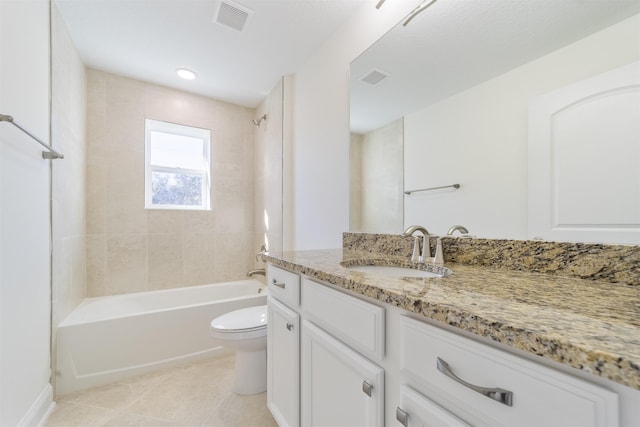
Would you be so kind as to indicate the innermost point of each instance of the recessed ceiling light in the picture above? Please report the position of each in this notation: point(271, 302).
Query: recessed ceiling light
point(186, 74)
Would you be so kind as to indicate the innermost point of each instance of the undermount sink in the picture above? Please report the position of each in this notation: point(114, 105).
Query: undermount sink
point(397, 271)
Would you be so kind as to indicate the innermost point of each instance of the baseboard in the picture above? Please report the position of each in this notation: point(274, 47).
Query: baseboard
point(39, 410)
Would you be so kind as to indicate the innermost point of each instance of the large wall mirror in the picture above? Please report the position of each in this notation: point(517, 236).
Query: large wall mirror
point(468, 91)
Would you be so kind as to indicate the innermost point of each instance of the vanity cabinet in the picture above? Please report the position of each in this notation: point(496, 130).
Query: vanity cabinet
point(283, 347)
point(339, 359)
point(340, 387)
point(340, 333)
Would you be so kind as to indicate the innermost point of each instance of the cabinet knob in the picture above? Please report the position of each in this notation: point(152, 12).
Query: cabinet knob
point(275, 283)
point(402, 417)
point(289, 326)
point(367, 388)
point(498, 394)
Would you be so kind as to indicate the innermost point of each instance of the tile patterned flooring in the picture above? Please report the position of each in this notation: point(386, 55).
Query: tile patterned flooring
point(196, 394)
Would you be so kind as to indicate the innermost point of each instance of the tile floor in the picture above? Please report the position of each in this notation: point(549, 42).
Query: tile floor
point(196, 394)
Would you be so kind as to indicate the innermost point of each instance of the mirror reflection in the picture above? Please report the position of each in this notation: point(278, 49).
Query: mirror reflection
point(459, 95)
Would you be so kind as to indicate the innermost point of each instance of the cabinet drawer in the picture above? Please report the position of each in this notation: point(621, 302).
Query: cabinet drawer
point(417, 411)
point(541, 396)
point(355, 322)
point(284, 285)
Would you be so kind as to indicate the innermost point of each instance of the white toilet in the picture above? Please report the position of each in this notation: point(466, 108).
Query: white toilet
point(245, 332)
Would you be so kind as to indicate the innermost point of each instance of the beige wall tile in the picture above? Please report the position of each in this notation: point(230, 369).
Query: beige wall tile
point(165, 261)
point(165, 221)
point(96, 256)
point(96, 199)
point(165, 104)
point(231, 251)
point(115, 193)
point(199, 222)
point(199, 258)
point(126, 263)
point(125, 211)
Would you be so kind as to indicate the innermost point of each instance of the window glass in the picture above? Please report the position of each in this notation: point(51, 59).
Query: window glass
point(176, 151)
point(177, 167)
point(176, 189)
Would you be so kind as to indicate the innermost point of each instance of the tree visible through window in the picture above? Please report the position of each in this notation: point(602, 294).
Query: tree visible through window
point(177, 166)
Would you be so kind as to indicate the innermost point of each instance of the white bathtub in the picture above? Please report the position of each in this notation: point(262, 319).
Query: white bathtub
point(109, 338)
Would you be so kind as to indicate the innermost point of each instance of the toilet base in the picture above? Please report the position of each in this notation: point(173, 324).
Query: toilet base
point(251, 372)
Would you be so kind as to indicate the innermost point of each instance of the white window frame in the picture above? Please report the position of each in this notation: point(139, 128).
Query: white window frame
point(173, 128)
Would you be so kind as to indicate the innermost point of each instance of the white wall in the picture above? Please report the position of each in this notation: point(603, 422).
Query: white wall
point(25, 392)
point(317, 187)
point(478, 138)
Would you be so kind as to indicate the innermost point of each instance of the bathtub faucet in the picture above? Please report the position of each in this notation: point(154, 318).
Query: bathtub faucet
point(258, 271)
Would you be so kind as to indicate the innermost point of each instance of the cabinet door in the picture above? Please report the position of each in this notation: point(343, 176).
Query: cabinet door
point(339, 386)
point(283, 363)
point(418, 411)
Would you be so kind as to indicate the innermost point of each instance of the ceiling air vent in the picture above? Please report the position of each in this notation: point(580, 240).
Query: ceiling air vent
point(232, 15)
point(374, 76)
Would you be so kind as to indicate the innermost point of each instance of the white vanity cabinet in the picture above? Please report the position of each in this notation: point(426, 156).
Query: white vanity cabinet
point(340, 387)
point(283, 347)
point(337, 359)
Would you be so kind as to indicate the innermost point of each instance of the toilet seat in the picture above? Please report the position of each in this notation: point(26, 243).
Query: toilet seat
point(240, 324)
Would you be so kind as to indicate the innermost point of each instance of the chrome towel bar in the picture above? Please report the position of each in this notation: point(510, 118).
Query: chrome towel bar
point(456, 186)
point(49, 154)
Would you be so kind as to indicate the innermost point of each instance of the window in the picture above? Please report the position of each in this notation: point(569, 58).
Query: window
point(177, 171)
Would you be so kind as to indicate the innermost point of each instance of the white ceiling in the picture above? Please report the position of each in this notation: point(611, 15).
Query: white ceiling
point(149, 39)
point(456, 44)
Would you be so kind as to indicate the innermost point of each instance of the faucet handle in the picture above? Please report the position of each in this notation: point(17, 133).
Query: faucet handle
point(262, 253)
point(439, 257)
point(416, 254)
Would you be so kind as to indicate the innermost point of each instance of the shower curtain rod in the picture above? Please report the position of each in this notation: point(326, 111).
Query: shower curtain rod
point(49, 154)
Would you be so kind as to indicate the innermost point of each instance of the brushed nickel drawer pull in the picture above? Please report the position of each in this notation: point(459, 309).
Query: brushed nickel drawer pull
point(367, 388)
point(275, 283)
point(402, 417)
point(498, 394)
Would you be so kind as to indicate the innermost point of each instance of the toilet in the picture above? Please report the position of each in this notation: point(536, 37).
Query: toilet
point(245, 332)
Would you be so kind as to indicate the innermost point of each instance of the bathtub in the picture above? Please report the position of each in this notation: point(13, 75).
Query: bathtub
point(109, 338)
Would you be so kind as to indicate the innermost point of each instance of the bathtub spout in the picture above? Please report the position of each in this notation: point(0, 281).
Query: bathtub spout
point(258, 271)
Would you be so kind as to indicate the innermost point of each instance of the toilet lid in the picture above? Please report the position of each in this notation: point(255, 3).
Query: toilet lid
point(241, 320)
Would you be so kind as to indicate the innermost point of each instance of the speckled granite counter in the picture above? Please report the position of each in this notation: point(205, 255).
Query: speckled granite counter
point(587, 324)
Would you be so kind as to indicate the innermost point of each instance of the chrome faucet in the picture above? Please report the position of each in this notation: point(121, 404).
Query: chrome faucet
point(421, 250)
point(462, 229)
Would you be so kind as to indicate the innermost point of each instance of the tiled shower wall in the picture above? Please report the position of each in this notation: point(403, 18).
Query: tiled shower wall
point(132, 249)
point(68, 121)
point(268, 173)
point(377, 180)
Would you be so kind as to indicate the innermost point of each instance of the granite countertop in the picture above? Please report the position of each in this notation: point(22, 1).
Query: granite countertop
point(590, 325)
